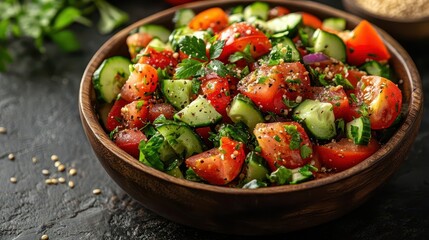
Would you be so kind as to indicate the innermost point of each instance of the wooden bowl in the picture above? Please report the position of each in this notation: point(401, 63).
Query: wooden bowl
point(259, 211)
point(406, 29)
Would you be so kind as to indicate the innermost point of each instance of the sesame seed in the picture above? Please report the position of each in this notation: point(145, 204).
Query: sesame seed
point(54, 158)
point(54, 181)
point(34, 159)
point(96, 191)
point(61, 168)
point(44, 237)
point(71, 184)
point(48, 181)
point(3, 130)
point(57, 163)
point(61, 180)
point(13, 180)
point(45, 172)
point(11, 156)
point(72, 172)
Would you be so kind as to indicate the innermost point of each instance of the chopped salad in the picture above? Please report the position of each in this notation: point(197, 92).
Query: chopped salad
point(251, 96)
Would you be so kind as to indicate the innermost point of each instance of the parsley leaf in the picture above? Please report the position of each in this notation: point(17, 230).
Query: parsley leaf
point(306, 151)
point(216, 49)
point(192, 176)
point(340, 80)
point(196, 85)
point(149, 152)
point(189, 68)
point(245, 54)
point(194, 47)
point(280, 176)
point(238, 132)
point(218, 67)
point(296, 140)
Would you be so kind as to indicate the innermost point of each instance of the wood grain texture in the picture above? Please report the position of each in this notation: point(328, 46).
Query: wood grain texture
point(266, 210)
point(38, 106)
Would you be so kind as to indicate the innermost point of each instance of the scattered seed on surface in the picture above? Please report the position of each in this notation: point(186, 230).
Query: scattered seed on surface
point(34, 159)
point(44, 237)
point(45, 172)
point(54, 158)
point(61, 168)
point(11, 156)
point(57, 163)
point(54, 181)
point(13, 180)
point(61, 180)
point(96, 191)
point(72, 172)
point(48, 181)
point(3, 130)
point(71, 184)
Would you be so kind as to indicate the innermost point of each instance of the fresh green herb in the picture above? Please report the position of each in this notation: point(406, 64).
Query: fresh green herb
point(302, 174)
point(238, 132)
point(290, 103)
point(196, 85)
point(353, 97)
point(262, 80)
point(340, 125)
point(245, 54)
point(189, 68)
point(49, 19)
point(194, 47)
point(277, 138)
point(139, 105)
point(113, 133)
point(306, 151)
point(318, 78)
point(149, 130)
point(296, 140)
point(280, 176)
point(192, 176)
point(340, 80)
point(218, 67)
point(149, 152)
point(216, 49)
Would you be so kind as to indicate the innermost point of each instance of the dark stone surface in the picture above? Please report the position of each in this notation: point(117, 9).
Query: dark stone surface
point(38, 106)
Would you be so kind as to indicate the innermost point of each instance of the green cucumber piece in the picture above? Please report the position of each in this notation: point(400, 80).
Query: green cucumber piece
point(109, 78)
point(199, 113)
point(317, 117)
point(359, 130)
point(290, 22)
point(181, 138)
point(258, 10)
point(255, 168)
point(338, 24)
point(306, 35)
point(235, 18)
point(177, 92)
point(329, 44)
point(242, 109)
point(237, 9)
point(182, 17)
point(156, 31)
point(157, 44)
point(377, 69)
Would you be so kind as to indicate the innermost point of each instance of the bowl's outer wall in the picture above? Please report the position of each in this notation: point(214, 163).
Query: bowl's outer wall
point(261, 211)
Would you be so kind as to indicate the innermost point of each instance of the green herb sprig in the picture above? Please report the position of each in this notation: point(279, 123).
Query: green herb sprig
point(50, 19)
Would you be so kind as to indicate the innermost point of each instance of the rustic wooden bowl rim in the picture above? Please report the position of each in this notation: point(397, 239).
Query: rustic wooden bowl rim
point(90, 117)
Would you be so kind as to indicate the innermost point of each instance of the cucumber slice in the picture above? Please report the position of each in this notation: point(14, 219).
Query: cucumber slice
point(337, 24)
point(157, 44)
point(377, 69)
point(182, 17)
point(257, 9)
point(235, 18)
point(329, 44)
point(242, 109)
point(359, 130)
point(306, 35)
point(109, 78)
point(289, 22)
point(317, 117)
point(156, 31)
point(181, 138)
point(255, 168)
point(199, 113)
point(177, 92)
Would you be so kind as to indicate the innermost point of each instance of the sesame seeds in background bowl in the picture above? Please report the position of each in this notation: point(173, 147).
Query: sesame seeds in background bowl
point(406, 20)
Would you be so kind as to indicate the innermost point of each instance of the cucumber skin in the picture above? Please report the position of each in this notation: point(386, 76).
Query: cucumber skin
point(180, 116)
point(320, 46)
point(96, 78)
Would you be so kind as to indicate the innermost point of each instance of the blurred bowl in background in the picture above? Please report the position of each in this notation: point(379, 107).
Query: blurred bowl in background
point(405, 28)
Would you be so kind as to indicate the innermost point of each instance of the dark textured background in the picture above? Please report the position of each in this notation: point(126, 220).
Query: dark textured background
point(38, 106)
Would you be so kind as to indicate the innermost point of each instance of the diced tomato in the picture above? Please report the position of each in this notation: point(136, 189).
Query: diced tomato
point(365, 44)
point(213, 18)
point(141, 83)
point(114, 118)
point(383, 98)
point(216, 89)
point(238, 36)
point(135, 114)
point(269, 86)
point(277, 11)
point(345, 154)
point(137, 42)
point(129, 140)
point(219, 166)
point(162, 59)
point(157, 109)
point(311, 20)
point(334, 95)
point(281, 148)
